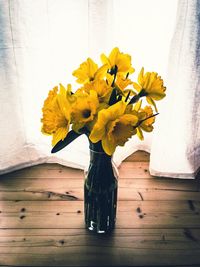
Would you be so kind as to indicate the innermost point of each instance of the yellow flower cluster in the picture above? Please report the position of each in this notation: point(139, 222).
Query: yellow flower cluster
point(108, 104)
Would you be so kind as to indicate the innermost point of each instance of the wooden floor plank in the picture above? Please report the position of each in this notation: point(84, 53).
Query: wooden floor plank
point(72, 189)
point(123, 206)
point(163, 241)
point(126, 170)
point(132, 237)
point(96, 256)
point(45, 171)
point(60, 184)
point(138, 156)
point(125, 194)
point(125, 220)
point(44, 215)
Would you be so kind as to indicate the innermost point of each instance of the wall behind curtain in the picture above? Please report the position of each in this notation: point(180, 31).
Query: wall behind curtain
point(43, 41)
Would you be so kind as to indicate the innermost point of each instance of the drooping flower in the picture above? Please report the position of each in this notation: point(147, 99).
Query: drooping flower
point(56, 114)
point(89, 71)
point(113, 127)
point(152, 86)
point(146, 119)
point(84, 109)
point(118, 60)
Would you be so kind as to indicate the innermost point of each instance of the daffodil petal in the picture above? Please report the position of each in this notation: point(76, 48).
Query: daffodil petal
point(108, 145)
point(137, 86)
point(101, 72)
point(105, 60)
point(113, 55)
point(140, 76)
point(60, 134)
point(137, 106)
point(151, 102)
point(97, 134)
point(147, 128)
point(139, 133)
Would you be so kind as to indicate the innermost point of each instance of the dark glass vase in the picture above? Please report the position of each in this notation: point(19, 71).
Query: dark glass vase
point(100, 191)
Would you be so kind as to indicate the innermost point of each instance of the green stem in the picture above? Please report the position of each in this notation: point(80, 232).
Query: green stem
point(135, 98)
point(115, 74)
point(127, 97)
point(140, 122)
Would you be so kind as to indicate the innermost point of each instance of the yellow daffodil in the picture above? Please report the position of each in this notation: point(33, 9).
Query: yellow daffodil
point(84, 109)
point(146, 124)
point(113, 127)
point(117, 59)
point(56, 114)
point(152, 86)
point(89, 71)
point(107, 106)
point(101, 87)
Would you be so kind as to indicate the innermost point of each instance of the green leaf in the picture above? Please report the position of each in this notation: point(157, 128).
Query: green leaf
point(119, 98)
point(113, 97)
point(71, 136)
point(134, 99)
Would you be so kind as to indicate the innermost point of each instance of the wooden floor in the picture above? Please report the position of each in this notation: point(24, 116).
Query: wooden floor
point(41, 219)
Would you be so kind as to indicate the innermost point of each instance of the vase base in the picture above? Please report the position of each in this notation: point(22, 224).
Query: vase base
point(93, 228)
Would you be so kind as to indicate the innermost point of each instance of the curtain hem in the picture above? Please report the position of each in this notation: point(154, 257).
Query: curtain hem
point(174, 175)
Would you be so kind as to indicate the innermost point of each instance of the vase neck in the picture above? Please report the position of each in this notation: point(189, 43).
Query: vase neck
point(96, 147)
point(97, 153)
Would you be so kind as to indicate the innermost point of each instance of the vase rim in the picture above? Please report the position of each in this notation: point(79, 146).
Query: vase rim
point(99, 152)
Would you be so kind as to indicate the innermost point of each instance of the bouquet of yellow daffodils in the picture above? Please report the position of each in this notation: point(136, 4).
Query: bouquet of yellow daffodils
point(107, 106)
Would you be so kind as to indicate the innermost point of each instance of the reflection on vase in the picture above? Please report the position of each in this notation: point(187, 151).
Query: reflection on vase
point(100, 191)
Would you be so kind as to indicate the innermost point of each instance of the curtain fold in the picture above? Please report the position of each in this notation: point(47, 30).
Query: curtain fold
point(12, 137)
point(176, 145)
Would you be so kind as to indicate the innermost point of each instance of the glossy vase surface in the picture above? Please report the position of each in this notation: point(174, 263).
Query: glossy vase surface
point(100, 191)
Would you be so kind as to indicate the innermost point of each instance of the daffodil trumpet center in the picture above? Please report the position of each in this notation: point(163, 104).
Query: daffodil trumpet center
point(86, 113)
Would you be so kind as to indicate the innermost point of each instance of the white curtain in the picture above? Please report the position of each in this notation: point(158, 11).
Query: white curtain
point(176, 141)
point(43, 41)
